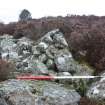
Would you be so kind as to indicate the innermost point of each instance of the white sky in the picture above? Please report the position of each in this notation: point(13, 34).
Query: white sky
point(10, 9)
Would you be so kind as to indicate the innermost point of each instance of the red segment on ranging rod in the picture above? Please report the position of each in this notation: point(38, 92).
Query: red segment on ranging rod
point(35, 77)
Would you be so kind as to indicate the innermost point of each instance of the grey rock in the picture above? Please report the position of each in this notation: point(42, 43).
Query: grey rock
point(35, 51)
point(50, 64)
point(51, 51)
point(25, 64)
point(42, 58)
point(25, 41)
point(24, 46)
point(60, 96)
point(3, 102)
point(10, 86)
point(19, 65)
point(55, 37)
point(63, 62)
point(64, 74)
point(37, 67)
point(8, 47)
point(97, 89)
point(52, 72)
point(65, 81)
point(55, 94)
point(47, 39)
point(15, 92)
point(7, 43)
point(23, 49)
point(59, 40)
point(21, 98)
point(10, 55)
point(18, 92)
point(6, 36)
point(42, 47)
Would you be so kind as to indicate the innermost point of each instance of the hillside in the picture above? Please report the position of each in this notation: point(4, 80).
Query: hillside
point(84, 34)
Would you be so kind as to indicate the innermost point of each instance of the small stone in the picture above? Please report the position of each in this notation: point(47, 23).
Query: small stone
point(47, 39)
point(63, 63)
point(37, 67)
point(59, 40)
point(65, 81)
point(42, 47)
point(42, 58)
point(50, 64)
point(35, 51)
point(25, 64)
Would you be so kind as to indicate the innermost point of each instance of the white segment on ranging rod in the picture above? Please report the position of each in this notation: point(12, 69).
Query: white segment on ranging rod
point(77, 77)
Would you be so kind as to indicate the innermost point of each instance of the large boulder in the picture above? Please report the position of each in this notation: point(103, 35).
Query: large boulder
point(8, 45)
point(97, 89)
point(24, 46)
point(56, 95)
point(15, 92)
point(63, 60)
point(37, 67)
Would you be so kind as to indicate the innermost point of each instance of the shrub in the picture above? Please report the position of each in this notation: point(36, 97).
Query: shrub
point(5, 69)
point(86, 101)
point(7, 28)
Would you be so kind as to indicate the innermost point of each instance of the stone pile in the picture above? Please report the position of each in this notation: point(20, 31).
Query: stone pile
point(49, 55)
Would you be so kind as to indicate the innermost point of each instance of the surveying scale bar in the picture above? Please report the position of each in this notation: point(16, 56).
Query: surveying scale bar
point(56, 77)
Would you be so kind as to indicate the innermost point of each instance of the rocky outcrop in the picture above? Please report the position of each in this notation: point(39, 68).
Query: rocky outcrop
point(84, 34)
point(50, 53)
point(15, 92)
point(97, 89)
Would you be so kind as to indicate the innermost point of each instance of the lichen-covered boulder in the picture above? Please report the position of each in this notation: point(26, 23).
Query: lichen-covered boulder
point(42, 47)
point(97, 89)
point(16, 92)
point(3, 102)
point(38, 67)
point(7, 42)
point(24, 46)
point(54, 94)
point(8, 45)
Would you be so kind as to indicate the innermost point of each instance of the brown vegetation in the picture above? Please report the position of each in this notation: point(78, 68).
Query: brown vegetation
point(5, 69)
point(86, 101)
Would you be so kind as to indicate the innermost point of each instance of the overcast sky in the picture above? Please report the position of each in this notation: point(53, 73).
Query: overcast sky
point(10, 9)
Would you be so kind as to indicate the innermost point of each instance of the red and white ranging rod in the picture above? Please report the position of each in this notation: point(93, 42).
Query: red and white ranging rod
point(31, 77)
